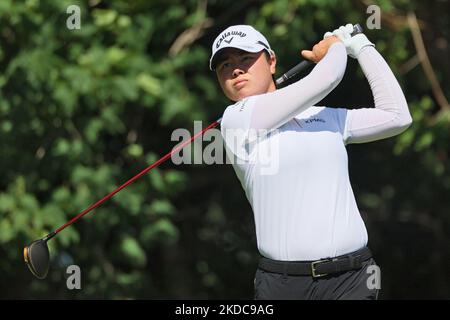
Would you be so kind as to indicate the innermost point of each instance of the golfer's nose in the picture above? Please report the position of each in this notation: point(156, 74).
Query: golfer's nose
point(237, 72)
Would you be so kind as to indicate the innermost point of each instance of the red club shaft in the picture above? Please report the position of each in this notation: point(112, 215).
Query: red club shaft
point(140, 174)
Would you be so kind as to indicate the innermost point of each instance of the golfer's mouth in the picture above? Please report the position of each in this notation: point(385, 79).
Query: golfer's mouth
point(239, 84)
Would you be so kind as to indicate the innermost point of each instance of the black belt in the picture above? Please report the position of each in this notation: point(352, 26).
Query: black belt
point(319, 268)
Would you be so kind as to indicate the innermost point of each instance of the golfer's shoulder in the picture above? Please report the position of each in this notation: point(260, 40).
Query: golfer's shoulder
point(237, 115)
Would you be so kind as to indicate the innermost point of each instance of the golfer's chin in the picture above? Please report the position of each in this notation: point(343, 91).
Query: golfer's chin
point(240, 94)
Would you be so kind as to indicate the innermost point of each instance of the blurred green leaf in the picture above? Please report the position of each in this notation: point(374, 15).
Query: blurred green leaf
point(133, 252)
point(104, 17)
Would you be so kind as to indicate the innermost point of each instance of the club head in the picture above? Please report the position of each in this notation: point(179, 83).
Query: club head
point(37, 258)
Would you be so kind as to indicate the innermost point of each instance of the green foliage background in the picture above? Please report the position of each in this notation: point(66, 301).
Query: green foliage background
point(82, 111)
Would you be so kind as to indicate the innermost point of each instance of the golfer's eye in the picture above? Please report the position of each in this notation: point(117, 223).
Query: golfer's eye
point(226, 65)
point(247, 58)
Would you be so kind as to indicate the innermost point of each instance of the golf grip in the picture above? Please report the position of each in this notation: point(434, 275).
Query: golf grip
point(306, 63)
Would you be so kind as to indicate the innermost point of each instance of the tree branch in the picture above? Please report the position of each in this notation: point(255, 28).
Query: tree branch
point(187, 37)
point(425, 61)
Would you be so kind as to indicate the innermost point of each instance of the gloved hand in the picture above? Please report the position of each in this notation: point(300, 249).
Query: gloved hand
point(352, 44)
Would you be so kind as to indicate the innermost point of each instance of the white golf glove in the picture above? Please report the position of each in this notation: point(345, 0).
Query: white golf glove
point(352, 44)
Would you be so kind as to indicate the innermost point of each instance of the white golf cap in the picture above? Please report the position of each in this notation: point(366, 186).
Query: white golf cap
point(242, 37)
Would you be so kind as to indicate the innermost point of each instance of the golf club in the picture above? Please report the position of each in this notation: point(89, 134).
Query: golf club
point(37, 255)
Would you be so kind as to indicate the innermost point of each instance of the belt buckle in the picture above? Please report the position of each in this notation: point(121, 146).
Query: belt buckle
point(313, 268)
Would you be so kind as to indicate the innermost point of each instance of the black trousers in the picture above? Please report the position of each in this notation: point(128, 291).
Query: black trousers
point(349, 285)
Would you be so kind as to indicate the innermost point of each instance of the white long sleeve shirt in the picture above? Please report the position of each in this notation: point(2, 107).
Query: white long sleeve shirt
point(295, 176)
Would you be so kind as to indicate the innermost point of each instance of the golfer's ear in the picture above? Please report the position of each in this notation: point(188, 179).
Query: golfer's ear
point(273, 62)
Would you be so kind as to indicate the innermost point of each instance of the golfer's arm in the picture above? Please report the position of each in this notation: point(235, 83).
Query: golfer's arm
point(276, 108)
point(390, 115)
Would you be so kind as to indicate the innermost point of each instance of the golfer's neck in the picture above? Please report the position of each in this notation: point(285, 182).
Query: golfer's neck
point(272, 87)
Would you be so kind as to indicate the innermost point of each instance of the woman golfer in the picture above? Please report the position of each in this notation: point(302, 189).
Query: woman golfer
point(312, 240)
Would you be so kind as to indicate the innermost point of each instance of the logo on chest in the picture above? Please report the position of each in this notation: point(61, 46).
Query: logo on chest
point(314, 120)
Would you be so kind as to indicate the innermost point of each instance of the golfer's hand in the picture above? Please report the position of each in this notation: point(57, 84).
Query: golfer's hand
point(320, 50)
point(353, 44)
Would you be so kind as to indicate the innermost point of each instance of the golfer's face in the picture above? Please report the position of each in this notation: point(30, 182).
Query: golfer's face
point(242, 74)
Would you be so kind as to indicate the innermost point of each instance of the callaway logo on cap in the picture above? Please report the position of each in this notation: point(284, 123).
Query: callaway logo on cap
point(242, 37)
